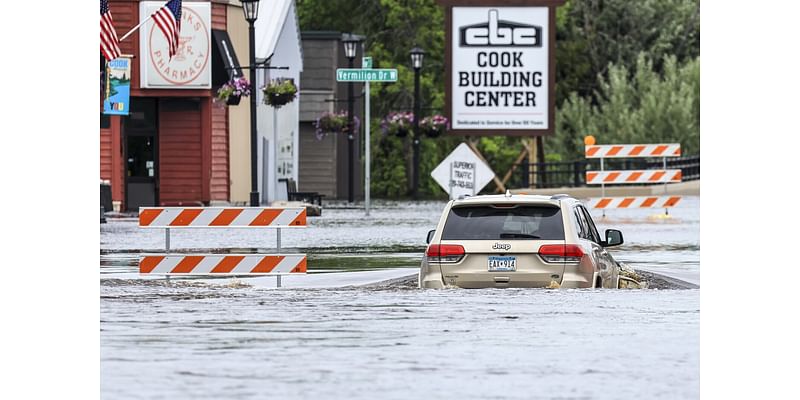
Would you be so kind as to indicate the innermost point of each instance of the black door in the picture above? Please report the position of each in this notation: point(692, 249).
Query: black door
point(141, 154)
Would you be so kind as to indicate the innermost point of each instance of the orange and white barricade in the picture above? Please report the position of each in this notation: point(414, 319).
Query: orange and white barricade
point(218, 264)
point(222, 217)
point(638, 176)
point(634, 202)
point(633, 150)
point(609, 177)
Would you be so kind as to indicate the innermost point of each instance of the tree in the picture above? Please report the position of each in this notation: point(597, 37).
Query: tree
point(643, 107)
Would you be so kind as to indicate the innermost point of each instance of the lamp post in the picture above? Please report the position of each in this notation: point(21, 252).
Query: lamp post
point(417, 55)
point(250, 8)
point(350, 42)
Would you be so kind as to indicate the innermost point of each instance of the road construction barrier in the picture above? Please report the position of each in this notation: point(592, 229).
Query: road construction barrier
point(217, 264)
point(637, 176)
point(635, 202)
point(198, 217)
point(633, 150)
point(222, 217)
point(604, 177)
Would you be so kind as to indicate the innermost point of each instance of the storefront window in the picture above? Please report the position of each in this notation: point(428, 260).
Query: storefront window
point(140, 156)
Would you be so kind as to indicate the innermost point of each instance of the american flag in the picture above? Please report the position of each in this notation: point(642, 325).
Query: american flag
point(109, 43)
point(168, 19)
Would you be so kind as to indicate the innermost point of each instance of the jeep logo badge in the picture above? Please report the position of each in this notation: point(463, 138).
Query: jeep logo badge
point(501, 246)
point(497, 32)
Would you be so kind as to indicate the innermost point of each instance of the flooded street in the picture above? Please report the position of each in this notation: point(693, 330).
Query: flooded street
point(188, 340)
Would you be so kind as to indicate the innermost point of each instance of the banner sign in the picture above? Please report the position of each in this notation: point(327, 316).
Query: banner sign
point(118, 87)
point(500, 67)
point(190, 68)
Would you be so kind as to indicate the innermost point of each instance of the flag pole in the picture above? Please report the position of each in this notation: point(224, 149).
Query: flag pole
point(136, 27)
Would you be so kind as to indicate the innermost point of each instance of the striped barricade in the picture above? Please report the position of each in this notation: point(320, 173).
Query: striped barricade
point(658, 176)
point(635, 202)
point(222, 217)
point(633, 176)
point(633, 150)
point(214, 217)
point(217, 264)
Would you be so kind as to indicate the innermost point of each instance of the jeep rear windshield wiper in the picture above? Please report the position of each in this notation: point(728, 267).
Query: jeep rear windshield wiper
point(518, 235)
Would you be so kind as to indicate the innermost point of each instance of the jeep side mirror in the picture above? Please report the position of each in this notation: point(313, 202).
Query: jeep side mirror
point(430, 236)
point(613, 238)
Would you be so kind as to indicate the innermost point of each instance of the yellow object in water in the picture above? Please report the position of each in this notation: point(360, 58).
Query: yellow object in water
point(553, 285)
point(660, 216)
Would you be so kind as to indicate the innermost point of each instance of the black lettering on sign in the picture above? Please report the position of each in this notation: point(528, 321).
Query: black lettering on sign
point(497, 32)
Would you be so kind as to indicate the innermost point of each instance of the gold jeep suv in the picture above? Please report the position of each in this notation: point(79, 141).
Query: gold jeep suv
point(504, 241)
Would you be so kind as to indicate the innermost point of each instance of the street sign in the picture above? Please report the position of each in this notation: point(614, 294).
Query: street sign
point(366, 75)
point(366, 62)
point(462, 173)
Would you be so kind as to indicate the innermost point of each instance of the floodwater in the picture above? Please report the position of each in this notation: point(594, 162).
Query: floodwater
point(188, 340)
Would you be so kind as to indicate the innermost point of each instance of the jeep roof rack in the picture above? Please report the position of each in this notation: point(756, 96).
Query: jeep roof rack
point(559, 196)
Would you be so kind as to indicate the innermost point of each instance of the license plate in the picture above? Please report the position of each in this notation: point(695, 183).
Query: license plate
point(497, 263)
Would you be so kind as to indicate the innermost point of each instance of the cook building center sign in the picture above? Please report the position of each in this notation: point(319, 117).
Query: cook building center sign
point(500, 67)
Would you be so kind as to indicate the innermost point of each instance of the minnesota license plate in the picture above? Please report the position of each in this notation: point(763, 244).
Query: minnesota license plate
point(498, 263)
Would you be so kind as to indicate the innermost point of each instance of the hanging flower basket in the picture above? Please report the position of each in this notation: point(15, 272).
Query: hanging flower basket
point(232, 91)
point(279, 92)
point(434, 125)
point(233, 100)
point(334, 123)
point(398, 124)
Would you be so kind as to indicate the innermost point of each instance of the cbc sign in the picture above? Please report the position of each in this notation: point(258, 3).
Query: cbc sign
point(500, 33)
point(499, 69)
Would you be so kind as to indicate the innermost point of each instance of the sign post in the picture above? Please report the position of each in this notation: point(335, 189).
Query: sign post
point(366, 74)
point(366, 63)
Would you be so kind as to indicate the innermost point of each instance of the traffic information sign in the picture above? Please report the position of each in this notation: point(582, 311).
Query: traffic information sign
point(462, 173)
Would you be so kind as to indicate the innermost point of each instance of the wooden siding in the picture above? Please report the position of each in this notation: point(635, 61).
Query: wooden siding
point(180, 155)
point(105, 154)
point(126, 16)
point(220, 181)
point(219, 17)
point(317, 172)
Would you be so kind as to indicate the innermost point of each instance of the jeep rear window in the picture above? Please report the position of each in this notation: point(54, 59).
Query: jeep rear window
point(491, 223)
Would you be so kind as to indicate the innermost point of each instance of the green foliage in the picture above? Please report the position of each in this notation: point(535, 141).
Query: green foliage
point(593, 34)
point(641, 108)
point(279, 92)
point(389, 178)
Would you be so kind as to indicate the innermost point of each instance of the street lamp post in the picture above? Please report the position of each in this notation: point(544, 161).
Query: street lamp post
point(350, 42)
point(417, 55)
point(250, 8)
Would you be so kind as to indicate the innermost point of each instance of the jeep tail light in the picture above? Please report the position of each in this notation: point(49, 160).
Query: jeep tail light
point(554, 253)
point(445, 253)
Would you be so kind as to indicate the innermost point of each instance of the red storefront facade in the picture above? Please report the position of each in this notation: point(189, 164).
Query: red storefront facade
point(173, 147)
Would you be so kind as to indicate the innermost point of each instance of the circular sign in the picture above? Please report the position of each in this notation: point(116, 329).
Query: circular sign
point(191, 58)
point(588, 140)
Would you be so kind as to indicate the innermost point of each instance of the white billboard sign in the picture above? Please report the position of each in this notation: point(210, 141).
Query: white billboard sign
point(500, 68)
point(462, 173)
point(190, 68)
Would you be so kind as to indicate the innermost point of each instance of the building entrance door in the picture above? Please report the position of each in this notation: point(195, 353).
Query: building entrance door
point(141, 154)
